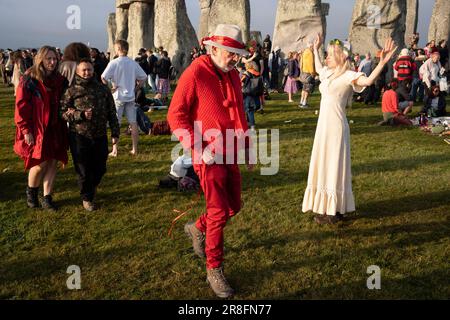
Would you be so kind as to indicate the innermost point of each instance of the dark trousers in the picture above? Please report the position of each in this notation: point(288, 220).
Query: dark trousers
point(89, 159)
point(3, 74)
point(274, 81)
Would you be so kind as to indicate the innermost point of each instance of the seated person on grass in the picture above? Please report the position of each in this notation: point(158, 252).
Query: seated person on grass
point(405, 102)
point(435, 103)
point(389, 106)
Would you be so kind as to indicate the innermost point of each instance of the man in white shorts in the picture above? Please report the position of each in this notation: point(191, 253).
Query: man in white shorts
point(125, 75)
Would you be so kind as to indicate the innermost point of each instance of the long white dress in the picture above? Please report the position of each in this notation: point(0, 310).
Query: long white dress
point(329, 188)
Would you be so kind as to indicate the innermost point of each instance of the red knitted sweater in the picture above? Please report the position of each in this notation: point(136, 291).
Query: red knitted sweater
point(201, 95)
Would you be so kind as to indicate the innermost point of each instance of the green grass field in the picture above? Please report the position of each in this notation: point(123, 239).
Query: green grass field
point(401, 182)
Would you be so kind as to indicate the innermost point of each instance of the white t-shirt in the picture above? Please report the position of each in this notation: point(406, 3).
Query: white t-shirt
point(123, 73)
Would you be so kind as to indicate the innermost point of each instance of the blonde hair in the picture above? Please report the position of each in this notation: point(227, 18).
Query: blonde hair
point(37, 71)
point(342, 61)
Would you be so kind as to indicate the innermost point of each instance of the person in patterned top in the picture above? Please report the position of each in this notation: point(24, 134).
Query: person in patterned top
point(88, 106)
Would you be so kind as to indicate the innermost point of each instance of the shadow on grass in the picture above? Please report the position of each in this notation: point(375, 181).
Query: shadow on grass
point(427, 285)
point(395, 206)
point(412, 163)
point(26, 269)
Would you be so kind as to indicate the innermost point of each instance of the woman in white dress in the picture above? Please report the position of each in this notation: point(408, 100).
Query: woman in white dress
point(329, 191)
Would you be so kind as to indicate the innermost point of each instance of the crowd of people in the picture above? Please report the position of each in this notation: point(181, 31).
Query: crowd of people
point(69, 100)
point(414, 75)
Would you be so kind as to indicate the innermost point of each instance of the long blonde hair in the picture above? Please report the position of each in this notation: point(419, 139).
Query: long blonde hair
point(342, 61)
point(37, 71)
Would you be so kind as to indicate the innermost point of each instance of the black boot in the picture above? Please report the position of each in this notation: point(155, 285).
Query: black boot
point(47, 203)
point(32, 197)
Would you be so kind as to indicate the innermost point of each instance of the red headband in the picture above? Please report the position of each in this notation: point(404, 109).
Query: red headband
point(225, 41)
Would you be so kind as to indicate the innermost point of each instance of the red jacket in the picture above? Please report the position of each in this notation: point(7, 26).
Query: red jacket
point(389, 102)
point(201, 96)
point(37, 112)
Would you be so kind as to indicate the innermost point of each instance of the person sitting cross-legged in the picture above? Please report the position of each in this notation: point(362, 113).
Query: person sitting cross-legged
point(389, 107)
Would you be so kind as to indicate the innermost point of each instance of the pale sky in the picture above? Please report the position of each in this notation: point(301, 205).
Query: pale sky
point(31, 23)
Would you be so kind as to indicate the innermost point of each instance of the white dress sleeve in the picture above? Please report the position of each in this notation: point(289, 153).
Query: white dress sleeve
point(351, 77)
point(322, 73)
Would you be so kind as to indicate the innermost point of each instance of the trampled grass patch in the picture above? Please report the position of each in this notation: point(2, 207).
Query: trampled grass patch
point(401, 181)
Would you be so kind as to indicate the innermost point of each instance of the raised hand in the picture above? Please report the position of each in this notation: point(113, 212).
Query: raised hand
point(388, 51)
point(318, 41)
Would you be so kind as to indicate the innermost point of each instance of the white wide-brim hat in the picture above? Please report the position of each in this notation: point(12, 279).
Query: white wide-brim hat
point(404, 52)
point(228, 37)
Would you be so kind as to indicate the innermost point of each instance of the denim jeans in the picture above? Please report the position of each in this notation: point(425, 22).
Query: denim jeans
point(250, 105)
point(417, 88)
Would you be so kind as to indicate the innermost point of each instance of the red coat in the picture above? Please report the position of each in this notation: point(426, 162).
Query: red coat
point(37, 112)
point(201, 96)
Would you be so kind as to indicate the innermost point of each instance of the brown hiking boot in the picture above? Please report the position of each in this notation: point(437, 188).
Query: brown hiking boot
point(218, 283)
point(198, 239)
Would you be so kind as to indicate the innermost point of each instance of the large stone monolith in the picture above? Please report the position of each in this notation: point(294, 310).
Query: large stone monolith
point(412, 16)
point(111, 26)
point(373, 21)
point(440, 22)
point(140, 26)
point(297, 23)
point(214, 12)
point(174, 31)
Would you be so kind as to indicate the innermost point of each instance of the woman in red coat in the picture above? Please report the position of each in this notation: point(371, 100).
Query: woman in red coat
point(41, 135)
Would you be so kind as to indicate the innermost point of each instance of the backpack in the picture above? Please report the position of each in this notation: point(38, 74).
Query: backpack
point(160, 128)
point(253, 86)
point(186, 184)
point(143, 121)
point(172, 73)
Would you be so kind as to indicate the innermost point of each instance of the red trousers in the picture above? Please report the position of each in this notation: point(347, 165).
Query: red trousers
point(221, 184)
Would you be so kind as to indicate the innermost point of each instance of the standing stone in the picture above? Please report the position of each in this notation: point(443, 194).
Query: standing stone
point(440, 22)
point(205, 8)
point(412, 15)
point(121, 23)
point(297, 23)
point(325, 12)
point(374, 21)
point(111, 33)
point(174, 32)
point(225, 12)
point(140, 26)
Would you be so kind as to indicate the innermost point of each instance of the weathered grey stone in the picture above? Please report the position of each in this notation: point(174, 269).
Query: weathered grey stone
point(440, 22)
point(297, 23)
point(227, 12)
point(412, 16)
point(325, 11)
point(174, 31)
point(123, 4)
point(205, 8)
point(111, 32)
point(140, 26)
point(374, 21)
point(121, 24)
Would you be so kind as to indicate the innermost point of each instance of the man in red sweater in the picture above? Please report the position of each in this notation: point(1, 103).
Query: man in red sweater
point(207, 105)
